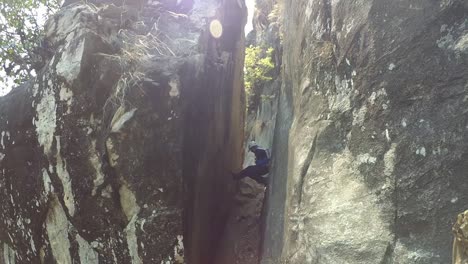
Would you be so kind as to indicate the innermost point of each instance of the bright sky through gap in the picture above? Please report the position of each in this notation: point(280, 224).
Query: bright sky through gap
point(250, 7)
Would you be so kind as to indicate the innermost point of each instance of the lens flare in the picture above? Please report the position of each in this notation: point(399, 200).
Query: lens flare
point(216, 28)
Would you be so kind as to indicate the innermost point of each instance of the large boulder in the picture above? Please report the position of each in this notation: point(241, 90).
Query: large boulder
point(119, 150)
point(371, 132)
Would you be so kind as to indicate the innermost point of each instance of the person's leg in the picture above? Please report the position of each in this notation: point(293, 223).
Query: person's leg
point(247, 172)
point(258, 173)
point(255, 172)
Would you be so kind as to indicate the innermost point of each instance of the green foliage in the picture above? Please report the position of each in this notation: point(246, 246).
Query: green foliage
point(257, 71)
point(20, 36)
point(275, 13)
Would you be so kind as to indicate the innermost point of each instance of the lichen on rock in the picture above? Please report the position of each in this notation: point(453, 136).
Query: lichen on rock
point(100, 152)
point(364, 171)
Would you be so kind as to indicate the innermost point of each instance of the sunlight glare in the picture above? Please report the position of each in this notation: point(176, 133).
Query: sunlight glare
point(216, 28)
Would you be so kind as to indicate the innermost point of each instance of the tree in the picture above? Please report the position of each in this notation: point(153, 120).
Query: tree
point(21, 23)
point(258, 66)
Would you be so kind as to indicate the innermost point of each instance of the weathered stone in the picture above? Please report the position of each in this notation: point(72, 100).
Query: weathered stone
point(369, 153)
point(119, 150)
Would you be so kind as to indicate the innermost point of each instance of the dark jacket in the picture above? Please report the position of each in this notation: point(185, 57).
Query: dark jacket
point(261, 157)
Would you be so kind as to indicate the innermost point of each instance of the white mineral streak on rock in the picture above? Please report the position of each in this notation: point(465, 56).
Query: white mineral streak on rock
point(128, 202)
point(65, 24)
point(46, 182)
point(87, 254)
point(404, 122)
point(96, 163)
point(69, 66)
point(66, 95)
point(389, 160)
point(142, 225)
point(421, 151)
point(64, 177)
point(9, 255)
point(462, 44)
point(1, 140)
point(57, 227)
point(46, 119)
point(387, 135)
point(35, 90)
point(174, 84)
point(366, 158)
point(120, 118)
point(33, 246)
point(132, 241)
point(113, 156)
point(403, 254)
point(341, 101)
point(179, 250)
point(131, 209)
point(359, 116)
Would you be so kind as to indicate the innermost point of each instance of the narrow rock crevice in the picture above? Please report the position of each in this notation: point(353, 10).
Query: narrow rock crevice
point(305, 169)
point(388, 256)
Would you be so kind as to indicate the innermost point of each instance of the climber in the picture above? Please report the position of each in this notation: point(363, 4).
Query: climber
point(261, 167)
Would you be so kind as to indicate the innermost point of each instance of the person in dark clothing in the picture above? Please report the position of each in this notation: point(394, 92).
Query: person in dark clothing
point(261, 167)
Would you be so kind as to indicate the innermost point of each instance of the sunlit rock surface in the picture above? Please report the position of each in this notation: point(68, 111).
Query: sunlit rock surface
point(370, 147)
point(119, 150)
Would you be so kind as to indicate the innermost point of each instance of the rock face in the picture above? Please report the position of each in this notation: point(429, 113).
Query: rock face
point(369, 152)
point(118, 152)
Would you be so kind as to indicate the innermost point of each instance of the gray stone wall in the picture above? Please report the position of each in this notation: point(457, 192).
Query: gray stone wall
point(370, 143)
point(119, 150)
